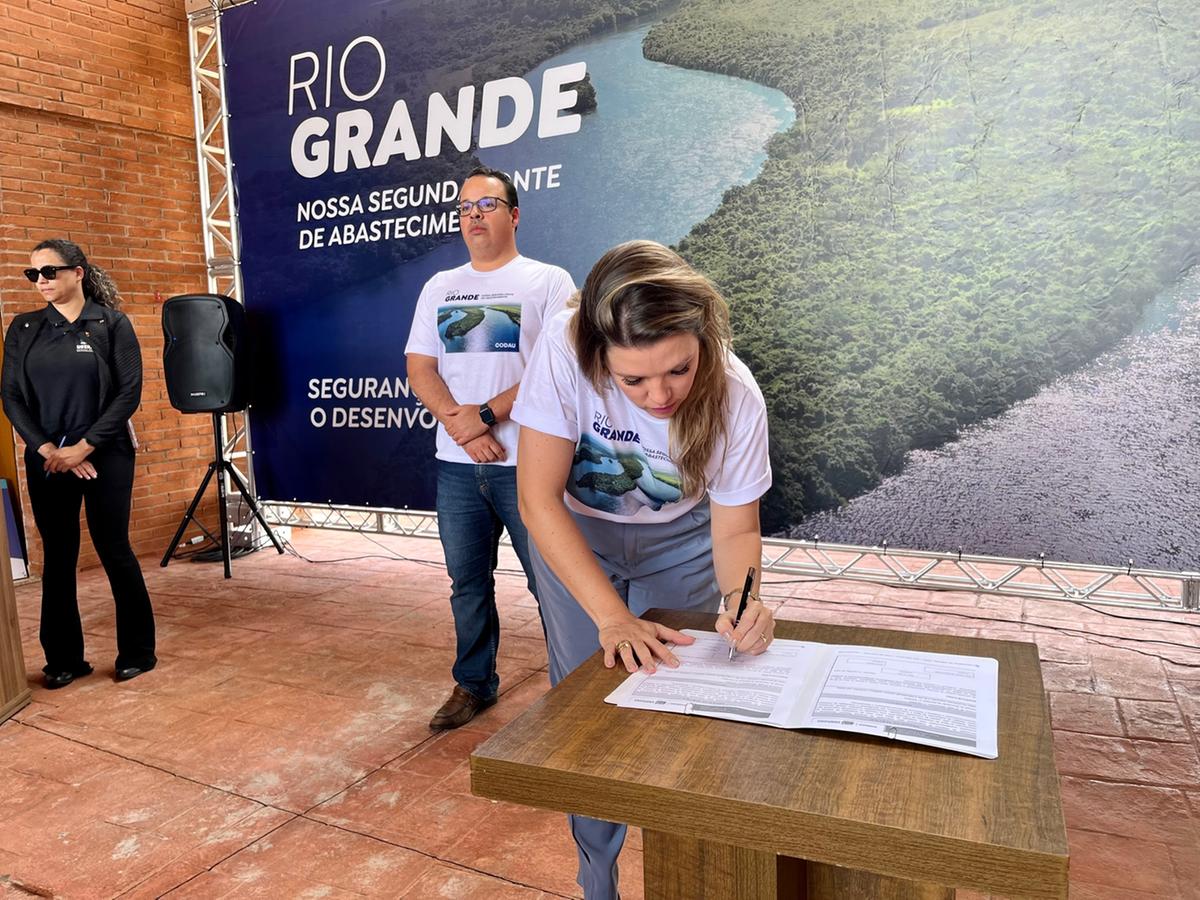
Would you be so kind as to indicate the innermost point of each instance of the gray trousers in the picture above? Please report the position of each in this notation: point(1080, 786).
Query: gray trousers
point(667, 565)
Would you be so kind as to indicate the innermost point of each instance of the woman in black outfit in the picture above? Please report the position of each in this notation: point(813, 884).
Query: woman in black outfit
point(72, 378)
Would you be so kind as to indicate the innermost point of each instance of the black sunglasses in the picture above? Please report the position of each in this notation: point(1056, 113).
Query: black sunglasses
point(47, 272)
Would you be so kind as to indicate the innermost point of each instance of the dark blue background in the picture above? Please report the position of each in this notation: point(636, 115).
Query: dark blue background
point(331, 312)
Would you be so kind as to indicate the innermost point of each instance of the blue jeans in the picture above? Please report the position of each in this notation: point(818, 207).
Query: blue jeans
point(474, 504)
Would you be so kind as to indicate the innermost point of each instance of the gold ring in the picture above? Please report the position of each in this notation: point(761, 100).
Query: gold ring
point(763, 638)
point(621, 644)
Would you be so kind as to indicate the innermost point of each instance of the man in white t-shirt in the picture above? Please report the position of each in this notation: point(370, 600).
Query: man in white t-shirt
point(472, 334)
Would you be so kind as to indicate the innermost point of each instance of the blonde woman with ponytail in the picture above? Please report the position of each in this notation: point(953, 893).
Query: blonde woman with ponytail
point(72, 378)
point(642, 458)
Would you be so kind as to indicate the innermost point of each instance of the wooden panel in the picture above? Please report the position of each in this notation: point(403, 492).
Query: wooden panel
point(834, 883)
point(684, 868)
point(14, 689)
point(860, 802)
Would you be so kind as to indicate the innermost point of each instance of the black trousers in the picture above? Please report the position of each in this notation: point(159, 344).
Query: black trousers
point(56, 500)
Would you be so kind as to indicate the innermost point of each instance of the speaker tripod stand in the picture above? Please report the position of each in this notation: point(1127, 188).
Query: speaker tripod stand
point(220, 467)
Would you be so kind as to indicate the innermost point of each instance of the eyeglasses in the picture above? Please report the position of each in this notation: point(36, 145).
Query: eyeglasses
point(47, 272)
point(483, 204)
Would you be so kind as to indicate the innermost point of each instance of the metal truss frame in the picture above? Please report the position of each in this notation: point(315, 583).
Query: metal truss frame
point(222, 244)
point(1140, 588)
point(1105, 585)
point(364, 519)
point(222, 247)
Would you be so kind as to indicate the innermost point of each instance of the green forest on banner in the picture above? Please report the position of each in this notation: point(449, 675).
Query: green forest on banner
point(975, 198)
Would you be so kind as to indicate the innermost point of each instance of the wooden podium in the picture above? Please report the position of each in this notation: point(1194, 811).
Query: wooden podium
point(14, 688)
point(732, 811)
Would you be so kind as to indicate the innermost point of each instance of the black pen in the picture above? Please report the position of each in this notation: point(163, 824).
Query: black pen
point(741, 611)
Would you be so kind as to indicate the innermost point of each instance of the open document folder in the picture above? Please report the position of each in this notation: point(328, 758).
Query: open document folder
point(935, 699)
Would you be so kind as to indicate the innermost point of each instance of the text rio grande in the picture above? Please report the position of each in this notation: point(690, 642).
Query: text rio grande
point(357, 142)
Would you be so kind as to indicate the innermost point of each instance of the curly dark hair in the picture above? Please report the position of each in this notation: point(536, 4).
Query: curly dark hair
point(98, 285)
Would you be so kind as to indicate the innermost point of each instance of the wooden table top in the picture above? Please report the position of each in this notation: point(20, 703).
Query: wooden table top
point(851, 800)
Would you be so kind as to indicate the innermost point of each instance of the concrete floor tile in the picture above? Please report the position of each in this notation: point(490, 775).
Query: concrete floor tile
point(179, 677)
point(1154, 720)
point(437, 820)
point(1186, 863)
point(374, 800)
point(1093, 892)
point(1105, 860)
point(1066, 677)
point(296, 684)
point(385, 746)
point(207, 643)
point(33, 710)
point(35, 752)
point(1187, 695)
point(629, 865)
point(530, 651)
point(256, 885)
point(1134, 762)
point(445, 882)
point(19, 792)
point(208, 836)
point(442, 754)
point(523, 845)
point(1089, 713)
point(1063, 648)
point(458, 781)
point(1129, 810)
point(1124, 673)
point(312, 852)
point(387, 593)
point(425, 626)
point(91, 859)
point(290, 771)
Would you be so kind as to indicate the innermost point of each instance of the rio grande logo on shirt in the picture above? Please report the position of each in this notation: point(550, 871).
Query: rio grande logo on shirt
point(490, 328)
point(619, 480)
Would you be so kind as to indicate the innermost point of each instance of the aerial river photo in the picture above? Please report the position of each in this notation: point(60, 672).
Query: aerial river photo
point(1099, 466)
point(653, 159)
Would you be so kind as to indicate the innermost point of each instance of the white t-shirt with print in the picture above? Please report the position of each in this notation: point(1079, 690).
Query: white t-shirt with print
point(481, 327)
point(622, 469)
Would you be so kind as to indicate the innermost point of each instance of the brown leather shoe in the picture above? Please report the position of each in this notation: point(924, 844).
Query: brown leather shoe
point(459, 709)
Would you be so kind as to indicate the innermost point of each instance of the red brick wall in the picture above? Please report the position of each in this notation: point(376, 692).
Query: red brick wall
point(96, 145)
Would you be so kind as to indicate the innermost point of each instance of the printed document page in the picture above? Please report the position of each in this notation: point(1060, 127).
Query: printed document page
point(927, 698)
point(763, 688)
point(935, 699)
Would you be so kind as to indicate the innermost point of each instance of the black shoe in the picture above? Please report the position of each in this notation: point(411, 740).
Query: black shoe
point(127, 672)
point(55, 680)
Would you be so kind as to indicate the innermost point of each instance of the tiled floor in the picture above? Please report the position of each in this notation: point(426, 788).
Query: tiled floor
point(280, 749)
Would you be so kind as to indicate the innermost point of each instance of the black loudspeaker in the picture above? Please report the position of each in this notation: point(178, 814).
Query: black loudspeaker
point(204, 353)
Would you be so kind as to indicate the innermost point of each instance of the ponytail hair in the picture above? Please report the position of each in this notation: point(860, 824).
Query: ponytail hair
point(637, 294)
point(98, 285)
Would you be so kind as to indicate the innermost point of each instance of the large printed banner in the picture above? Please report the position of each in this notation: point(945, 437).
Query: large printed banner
point(957, 239)
point(352, 125)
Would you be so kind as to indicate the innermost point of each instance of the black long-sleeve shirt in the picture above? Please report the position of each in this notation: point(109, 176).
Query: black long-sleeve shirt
point(36, 404)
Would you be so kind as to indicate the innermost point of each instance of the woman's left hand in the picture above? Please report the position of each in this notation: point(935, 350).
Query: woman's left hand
point(64, 459)
point(85, 470)
point(753, 633)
